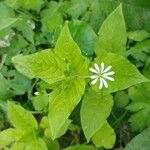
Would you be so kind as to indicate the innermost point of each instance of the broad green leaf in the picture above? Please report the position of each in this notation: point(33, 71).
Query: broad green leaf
point(67, 49)
point(37, 144)
point(61, 132)
point(6, 137)
point(30, 4)
point(95, 107)
point(140, 142)
point(138, 35)
point(112, 35)
point(80, 147)
point(140, 106)
point(44, 65)
point(104, 137)
point(21, 118)
point(126, 74)
point(62, 102)
point(7, 22)
point(84, 35)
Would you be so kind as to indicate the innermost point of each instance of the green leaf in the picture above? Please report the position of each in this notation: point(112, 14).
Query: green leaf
point(62, 102)
point(138, 35)
point(80, 147)
point(67, 49)
point(42, 65)
point(40, 101)
point(95, 107)
point(104, 137)
point(51, 145)
point(140, 106)
point(70, 8)
point(121, 99)
point(30, 4)
point(126, 74)
point(6, 137)
point(113, 32)
point(37, 144)
point(140, 142)
point(21, 118)
point(52, 19)
point(7, 22)
point(84, 35)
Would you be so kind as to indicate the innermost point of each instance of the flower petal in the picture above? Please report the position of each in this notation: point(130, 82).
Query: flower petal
point(107, 69)
point(105, 83)
point(109, 78)
point(97, 67)
point(94, 77)
point(102, 67)
point(109, 73)
point(94, 81)
point(101, 84)
point(93, 70)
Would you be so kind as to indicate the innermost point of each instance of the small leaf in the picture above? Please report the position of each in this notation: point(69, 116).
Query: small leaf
point(126, 74)
point(104, 137)
point(21, 118)
point(112, 35)
point(62, 102)
point(95, 107)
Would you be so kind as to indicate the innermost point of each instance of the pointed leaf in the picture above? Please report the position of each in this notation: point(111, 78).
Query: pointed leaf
point(95, 107)
point(62, 101)
point(112, 34)
point(21, 118)
point(67, 49)
point(126, 74)
point(42, 65)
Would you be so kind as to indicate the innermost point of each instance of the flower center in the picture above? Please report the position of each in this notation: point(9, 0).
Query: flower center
point(100, 75)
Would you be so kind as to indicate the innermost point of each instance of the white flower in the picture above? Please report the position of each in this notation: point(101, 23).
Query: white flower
point(101, 75)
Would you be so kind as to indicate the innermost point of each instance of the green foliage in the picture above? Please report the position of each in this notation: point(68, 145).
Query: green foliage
point(125, 75)
point(140, 106)
point(104, 137)
point(140, 142)
point(117, 38)
point(47, 51)
point(95, 107)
